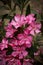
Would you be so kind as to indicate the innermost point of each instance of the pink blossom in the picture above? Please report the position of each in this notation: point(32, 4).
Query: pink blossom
point(18, 21)
point(27, 31)
point(15, 24)
point(27, 62)
point(17, 62)
point(2, 57)
point(30, 18)
point(19, 52)
point(2, 61)
point(37, 53)
point(4, 44)
point(9, 31)
point(17, 41)
point(14, 62)
point(35, 28)
point(26, 40)
point(22, 40)
point(20, 36)
point(13, 42)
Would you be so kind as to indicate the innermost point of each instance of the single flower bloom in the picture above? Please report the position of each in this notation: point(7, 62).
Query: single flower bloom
point(30, 18)
point(4, 44)
point(26, 40)
point(9, 31)
point(19, 52)
point(34, 28)
point(18, 21)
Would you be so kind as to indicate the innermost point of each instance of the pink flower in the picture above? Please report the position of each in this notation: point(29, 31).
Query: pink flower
point(19, 52)
point(27, 31)
point(24, 39)
point(13, 42)
point(15, 24)
point(2, 61)
point(27, 62)
point(4, 44)
point(23, 54)
point(37, 53)
point(34, 28)
point(30, 18)
point(14, 61)
point(18, 39)
point(17, 62)
point(18, 21)
point(9, 31)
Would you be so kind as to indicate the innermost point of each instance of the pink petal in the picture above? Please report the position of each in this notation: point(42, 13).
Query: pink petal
point(28, 45)
point(38, 25)
point(15, 24)
point(25, 53)
point(20, 56)
point(37, 31)
point(27, 63)
point(32, 32)
point(17, 18)
point(14, 54)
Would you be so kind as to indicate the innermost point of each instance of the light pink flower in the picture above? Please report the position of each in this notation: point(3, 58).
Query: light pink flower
point(20, 19)
point(15, 24)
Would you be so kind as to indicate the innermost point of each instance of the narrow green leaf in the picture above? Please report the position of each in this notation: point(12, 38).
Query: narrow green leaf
point(28, 10)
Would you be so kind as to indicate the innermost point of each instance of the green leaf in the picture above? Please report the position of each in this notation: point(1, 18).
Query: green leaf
point(26, 1)
point(8, 2)
point(2, 31)
point(4, 7)
point(38, 16)
point(42, 17)
point(28, 10)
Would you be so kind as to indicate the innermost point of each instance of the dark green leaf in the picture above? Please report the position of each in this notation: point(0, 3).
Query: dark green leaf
point(28, 10)
point(26, 1)
point(4, 7)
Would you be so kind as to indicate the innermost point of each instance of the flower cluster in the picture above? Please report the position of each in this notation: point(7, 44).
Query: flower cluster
point(18, 37)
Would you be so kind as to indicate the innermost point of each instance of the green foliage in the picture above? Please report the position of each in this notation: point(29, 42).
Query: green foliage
point(38, 16)
point(2, 31)
point(10, 7)
point(8, 2)
point(28, 10)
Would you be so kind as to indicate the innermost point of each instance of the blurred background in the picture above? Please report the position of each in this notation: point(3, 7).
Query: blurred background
point(8, 8)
